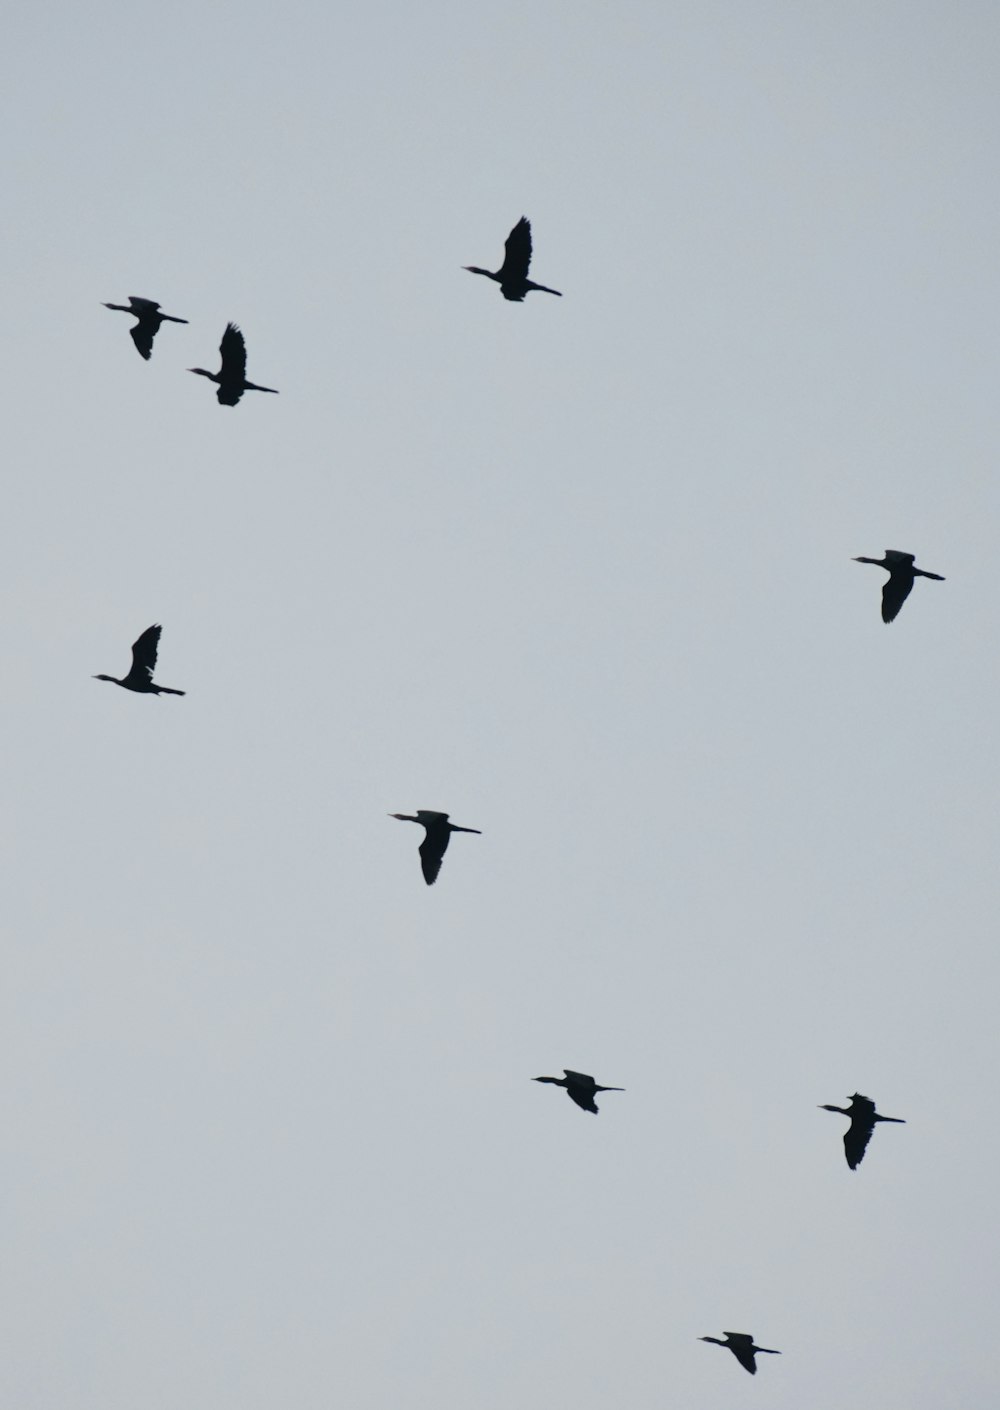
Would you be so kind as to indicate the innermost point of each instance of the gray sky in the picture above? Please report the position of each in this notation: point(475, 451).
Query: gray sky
point(577, 571)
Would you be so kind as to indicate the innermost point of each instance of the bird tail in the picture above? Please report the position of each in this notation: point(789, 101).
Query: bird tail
point(544, 289)
point(166, 690)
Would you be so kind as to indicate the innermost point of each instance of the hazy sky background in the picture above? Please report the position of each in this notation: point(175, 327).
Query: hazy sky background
point(577, 571)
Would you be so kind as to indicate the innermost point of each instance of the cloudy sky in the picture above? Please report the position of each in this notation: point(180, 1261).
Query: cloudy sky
point(576, 571)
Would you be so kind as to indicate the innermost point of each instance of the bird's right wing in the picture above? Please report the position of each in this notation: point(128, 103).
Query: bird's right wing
point(894, 594)
point(745, 1357)
point(432, 851)
point(142, 335)
point(144, 650)
point(233, 351)
point(517, 251)
point(856, 1140)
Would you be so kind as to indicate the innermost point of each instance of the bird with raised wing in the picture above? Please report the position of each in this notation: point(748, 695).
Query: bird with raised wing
point(581, 1088)
point(863, 1118)
point(897, 587)
point(149, 318)
point(140, 676)
point(512, 276)
point(437, 835)
point(231, 377)
point(742, 1347)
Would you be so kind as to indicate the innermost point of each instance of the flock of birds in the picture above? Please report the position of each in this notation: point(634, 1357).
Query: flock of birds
point(231, 380)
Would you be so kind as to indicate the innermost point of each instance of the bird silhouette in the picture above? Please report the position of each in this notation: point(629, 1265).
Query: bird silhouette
point(863, 1118)
point(580, 1087)
point(231, 377)
point(512, 276)
point(149, 319)
point(897, 587)
point(140, 676)
point(438, 832)
point(742, 1347)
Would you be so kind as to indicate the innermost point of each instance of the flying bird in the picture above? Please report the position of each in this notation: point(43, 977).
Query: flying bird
point(901, 572)
point(863, 1118)
point(580, 1087)
point(232, 375)
point(437, 830)
point(742, 1347)
point(149, 319)
point(512, 276)
point(140, 676)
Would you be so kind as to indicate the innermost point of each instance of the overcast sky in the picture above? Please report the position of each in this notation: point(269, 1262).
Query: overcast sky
point(576, 571)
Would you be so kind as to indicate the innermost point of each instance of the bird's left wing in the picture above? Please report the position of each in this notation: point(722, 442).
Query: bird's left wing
point(144, 650)
point(233, 351)
point(517, 251)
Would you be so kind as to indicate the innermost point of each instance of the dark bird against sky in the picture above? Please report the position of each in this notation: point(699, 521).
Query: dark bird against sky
point(742, 1347)
point(580, 1087)
point(140, 676)
point(512, 276)
point(901, 572)
point(438, 832)
point(231, 377)
point(863, 1118)
point(149, 319)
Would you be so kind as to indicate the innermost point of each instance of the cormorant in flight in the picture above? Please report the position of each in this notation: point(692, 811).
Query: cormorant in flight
point(232, 375)
point(140, 677)
point(901, 572)
point(512, 276)
point(149, 316)
point(742, 1347)
point(863, 1118)
point(580, 1087)
point(438, 832)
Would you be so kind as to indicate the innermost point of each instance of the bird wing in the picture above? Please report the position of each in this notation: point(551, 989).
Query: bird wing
point(517, 251)
point(143, 334)
point(582, 1096)
point(432, 851)
point(229, 394)
point(895, 593)
point(233, 351)
point(856, 1139)
point(144, 650)
point(741, 1345)
point(142, 306)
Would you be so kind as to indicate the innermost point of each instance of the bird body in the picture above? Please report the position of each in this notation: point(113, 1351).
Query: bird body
point(512, 276)
point(231, 377)
point(581, 1088)
point(140, 676)
point(863, 1118)
point(742, 1346)
point(437, 835)
point(897, 587)
point(149, 317)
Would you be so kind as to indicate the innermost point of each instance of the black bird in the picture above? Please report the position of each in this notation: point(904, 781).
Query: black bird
point(140, 677)
point(232, 375)
point(149, 319)
point(901, 572)
point(512, 276)
point(580, 1087)
point(863, 1118)
point(438, 834)
point(742, 1347)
